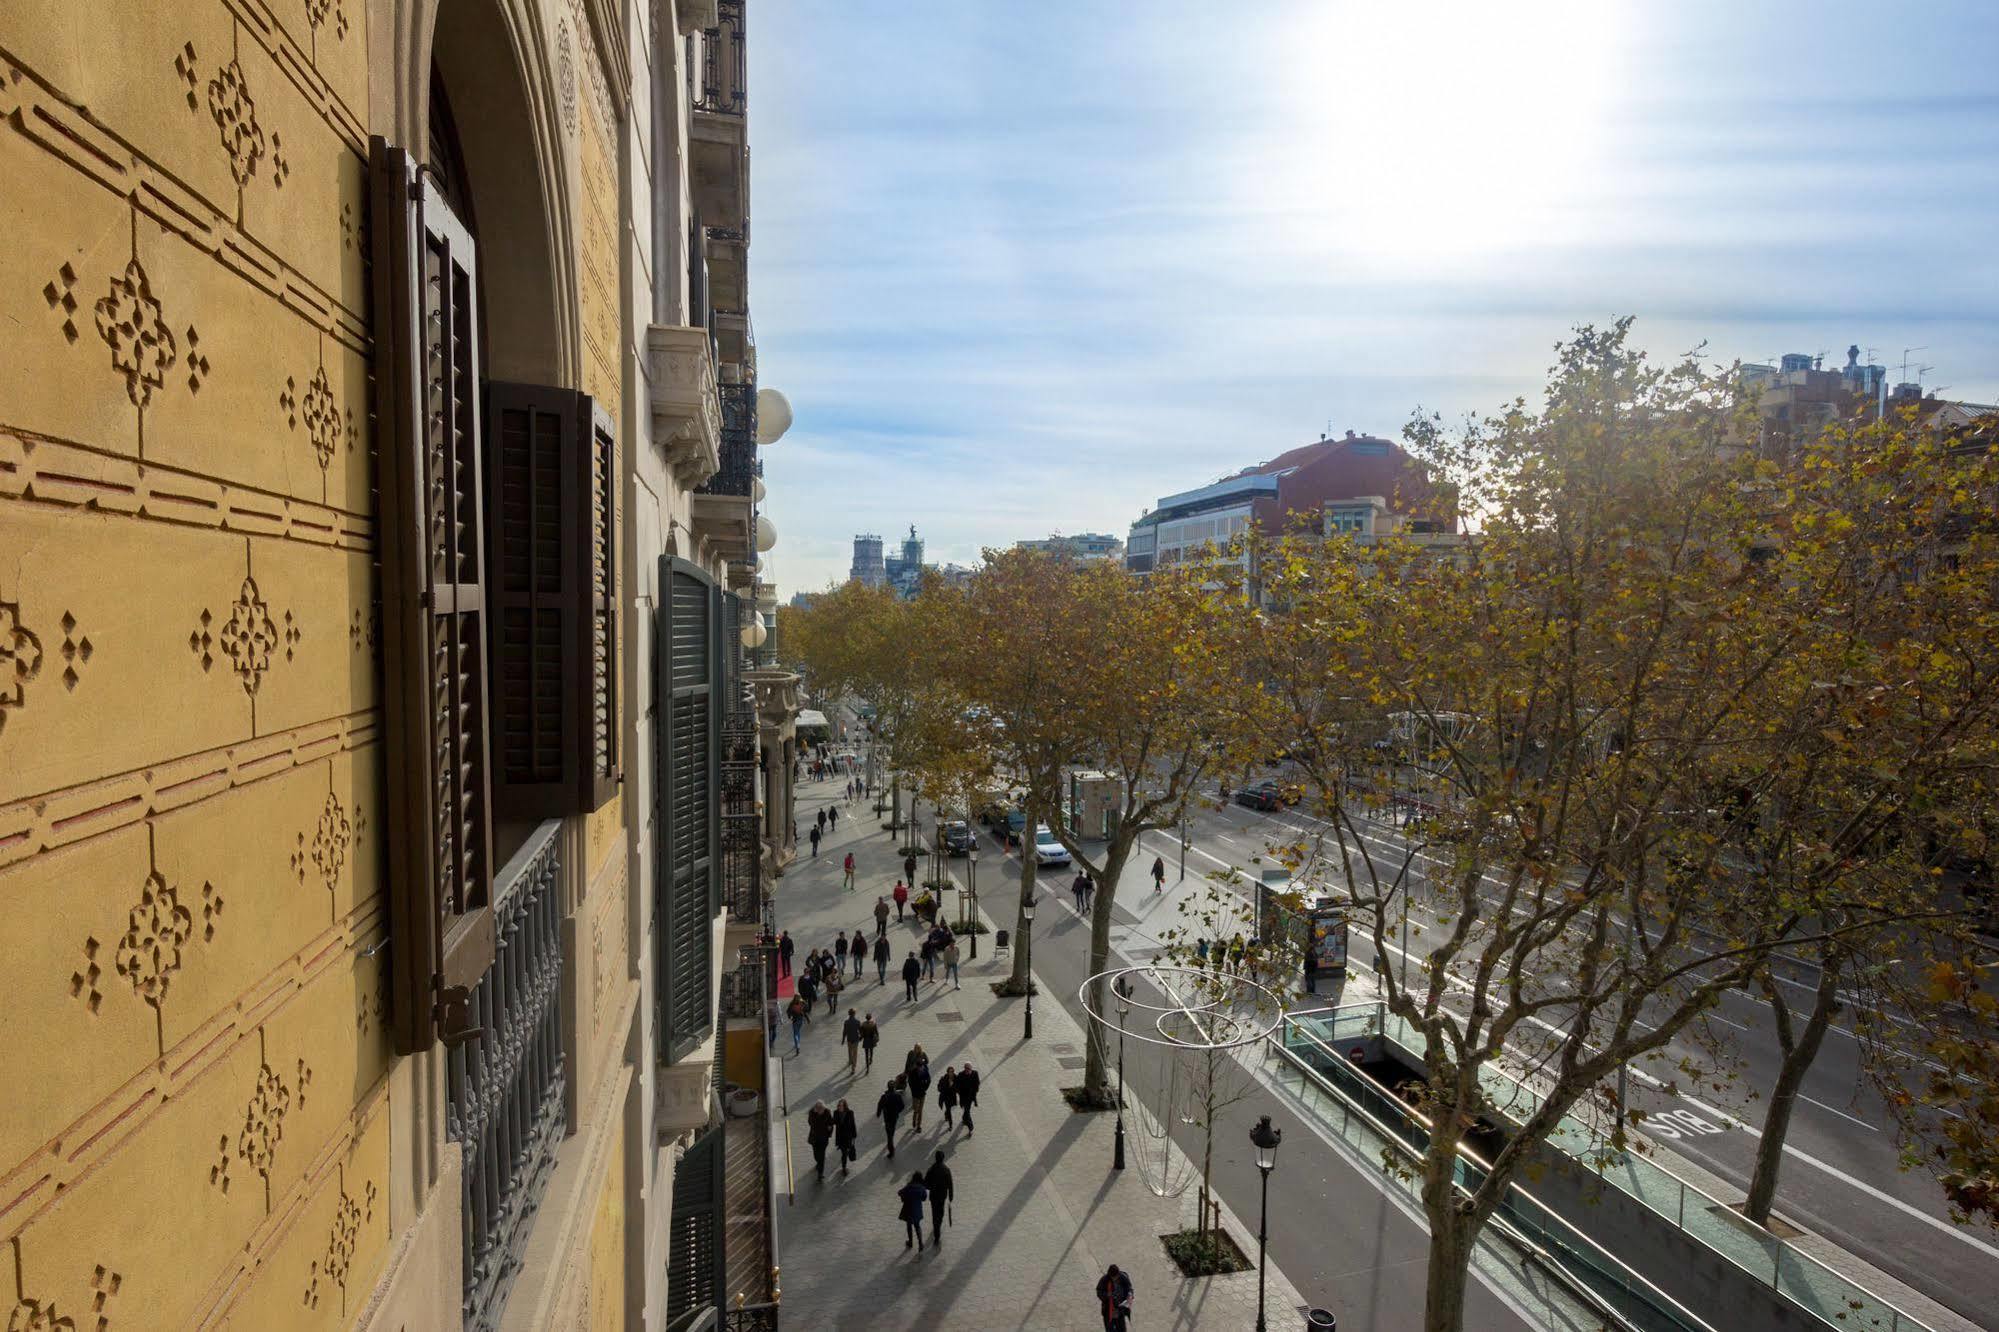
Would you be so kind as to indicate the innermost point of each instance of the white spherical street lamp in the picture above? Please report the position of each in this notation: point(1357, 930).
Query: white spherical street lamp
point(766, 533)
point(773, 416)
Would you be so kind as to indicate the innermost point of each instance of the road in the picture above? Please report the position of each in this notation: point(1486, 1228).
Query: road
point(1842, 1176)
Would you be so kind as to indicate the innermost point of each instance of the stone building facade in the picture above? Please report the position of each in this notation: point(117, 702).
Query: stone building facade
point(382, 408)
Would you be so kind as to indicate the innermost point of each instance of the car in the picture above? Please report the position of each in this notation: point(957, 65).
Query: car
point(1259, 795)
point(1047, 850)
point(958, 837)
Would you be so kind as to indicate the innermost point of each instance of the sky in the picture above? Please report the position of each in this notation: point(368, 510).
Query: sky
point(1024, 266)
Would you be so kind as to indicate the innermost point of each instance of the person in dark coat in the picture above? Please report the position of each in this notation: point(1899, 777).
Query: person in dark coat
point(808, 987)
point(909, 868)
point(822, 819)
point(840, 950)
point(911, 1213)
point(871, 1036)
point(968, 1093)
point(833, 985)
point(785, 947)
point(882, 954)
point(888, 1110)
point(919, 1091)
point(912, 972)
point(800, 1013)
point(819, 1132)
point(832, 819)
point(850, 1036)
point(1114, 1296)
point(858, 950)
point(937, 1183)
point(947, 1094)
point(881, 916)
point(815, 835)
point(846, 1133)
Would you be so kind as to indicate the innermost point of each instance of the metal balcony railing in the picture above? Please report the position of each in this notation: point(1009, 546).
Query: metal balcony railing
point(740, 465)
point(723, 66)
point(505, 1088)
point(750, 1318)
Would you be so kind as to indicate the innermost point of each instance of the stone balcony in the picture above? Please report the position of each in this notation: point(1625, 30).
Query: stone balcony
point(686, 408)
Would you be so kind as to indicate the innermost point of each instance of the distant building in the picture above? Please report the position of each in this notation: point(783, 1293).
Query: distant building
point(1290, 492)
point(868, 567)
point(1083, 547)
point(1798, 397)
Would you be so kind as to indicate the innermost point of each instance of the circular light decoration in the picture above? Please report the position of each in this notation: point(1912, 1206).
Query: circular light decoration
point(754, 633)
point(757, 491)
point(773, 416)
point(766, 533)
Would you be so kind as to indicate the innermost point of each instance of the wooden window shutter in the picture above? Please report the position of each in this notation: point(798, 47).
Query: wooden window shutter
point(551, 542)
point(697, 1252)
point(439, 831)
point(688, 817)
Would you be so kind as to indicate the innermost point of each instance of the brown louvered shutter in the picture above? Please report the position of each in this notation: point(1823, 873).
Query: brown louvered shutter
point(686, 721)
point(434, 657)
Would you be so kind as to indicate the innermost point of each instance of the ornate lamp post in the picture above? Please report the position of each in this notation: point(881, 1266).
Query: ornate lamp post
point(1027, 916)
point(972, 873)
point(1122, 994)
point(1265, 1139)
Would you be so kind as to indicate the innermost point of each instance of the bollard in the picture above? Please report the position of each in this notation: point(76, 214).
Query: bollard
point(1321, 1320)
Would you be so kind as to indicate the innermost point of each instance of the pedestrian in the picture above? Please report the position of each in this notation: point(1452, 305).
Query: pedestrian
point(881, 959)
point(1201, 954)
point(1114, 1296)
point(1076, 891)
point(857, 948)
point(951, 962)
point(850, 1036)
point(881, 916)
point(919, 1091)
point(1252, 957)
point(1311, 968)
point(901, 896)
point(912, 1195)
point(848, 867)
point(784, 950)
point(833, 987)
point(889, 1109)
point(909, 867)
point(822, 818)
point(871, 1036)
point(815, 840)
point(819, 1132)
point(832, 818)
point(930, 955)
point(846, 1133)
point(937, 1183)
point(912, 972)
point(808, 989)
point(917, 1055)
point(796, 1010)
point(840, 949)
point(1089, 892)
point(968, 1094)
point(947, 1094)
point(1158, 873)
point(1236, 950)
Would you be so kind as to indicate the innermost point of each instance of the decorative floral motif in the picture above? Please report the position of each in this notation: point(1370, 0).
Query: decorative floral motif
point(149, 955)
point(197, 361)
point(20, 659)
point(76, 650)
point(249, 637)
point(329, 844)
point(235, 114)
point(322, 418)
point(341, 1242)
point(142, 346)
point(317, 12)
point(83, 982)
point(184, 67)
point(60, 293)
point(264, 1121)
point(35, 1316)
point(565, 74)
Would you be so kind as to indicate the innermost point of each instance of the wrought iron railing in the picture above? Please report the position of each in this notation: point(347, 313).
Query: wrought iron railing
point(505, 1088)
point(747, 988)
point(742, 843)
point(750, 1318)
point(722, 62)
point(740, 467)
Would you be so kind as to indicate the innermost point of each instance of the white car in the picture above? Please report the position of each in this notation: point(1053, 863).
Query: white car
point(1048, 851)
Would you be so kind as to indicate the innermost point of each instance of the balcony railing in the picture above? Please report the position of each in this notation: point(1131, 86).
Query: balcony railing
point(740, 466)
point(742, 843)
point(506, 1087)
point(750, 1318)
point(747, 990)
point(722, 62)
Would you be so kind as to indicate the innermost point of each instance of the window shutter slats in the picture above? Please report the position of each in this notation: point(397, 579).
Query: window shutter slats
point(687, 867)
point(434, 658)
point(697, 1257)
point(602, 704)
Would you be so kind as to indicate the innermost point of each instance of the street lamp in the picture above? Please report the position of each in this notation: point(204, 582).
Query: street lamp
point(1123, 1010)
point(1265, 1139)
point(1027, 921)
point(972, 872)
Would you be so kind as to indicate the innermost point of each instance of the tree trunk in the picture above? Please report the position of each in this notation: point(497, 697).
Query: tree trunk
point(1096, 1065)
point(1451, 1228)
point(1798, 1055)
point(1023, 938)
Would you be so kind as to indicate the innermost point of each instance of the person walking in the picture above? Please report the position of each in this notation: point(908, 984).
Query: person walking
point(848, 867)
point(1158, 873)
point(919, 1092)
point(912, 1195)
point(846, 1133)
point(930, 955)
point(947, 1094)
point(785, 948)
point(850, 1036)
point(840, 948)
point(889, 1109)
point(937, 1183)
point(901, 896)
point(857, 948)
point(822, 818)
point(968, 1094)
point(909, 867)
point(912, 972)
point(881, 959)
point(1089, 892)
point(871, 1036)
point(881, 916)
point(808, 987)
point(819, 1132)
point(1114, 1296)
point(951, 962)
point(834, 984)
point(1201, 954)
point(1236, 950)
point(815, 834)
point(797, 1010)
point(1076, 891)
point(832, 818)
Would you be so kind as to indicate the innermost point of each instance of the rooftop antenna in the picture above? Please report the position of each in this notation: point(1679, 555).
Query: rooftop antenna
point(1905, 360)
point(1818, 358)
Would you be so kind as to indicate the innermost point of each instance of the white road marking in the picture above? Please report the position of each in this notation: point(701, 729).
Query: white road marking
point(1841, 1113)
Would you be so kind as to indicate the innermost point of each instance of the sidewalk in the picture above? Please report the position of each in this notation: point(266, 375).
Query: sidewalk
point(1040, 1213)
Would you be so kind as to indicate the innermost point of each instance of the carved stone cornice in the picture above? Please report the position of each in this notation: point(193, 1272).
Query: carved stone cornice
point(776, 694)
point(691, 16)
point(686, 411)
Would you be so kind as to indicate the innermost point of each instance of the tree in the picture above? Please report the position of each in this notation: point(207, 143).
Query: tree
point(860, 642)
point(1648, 679)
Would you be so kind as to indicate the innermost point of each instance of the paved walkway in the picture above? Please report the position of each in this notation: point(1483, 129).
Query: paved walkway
point(1040, 1214)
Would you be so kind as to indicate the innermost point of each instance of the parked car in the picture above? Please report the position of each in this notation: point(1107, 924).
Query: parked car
point(958, 837)
point(1259, 795)
point(1047, 850)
